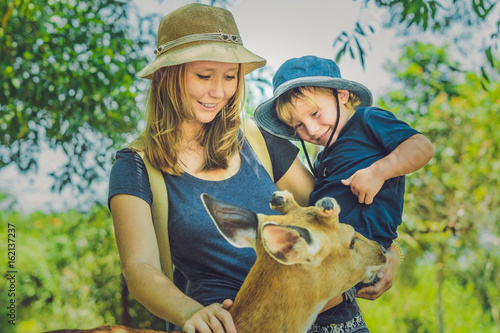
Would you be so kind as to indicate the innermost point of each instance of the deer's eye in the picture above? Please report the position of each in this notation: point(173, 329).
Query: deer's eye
point(351, 246)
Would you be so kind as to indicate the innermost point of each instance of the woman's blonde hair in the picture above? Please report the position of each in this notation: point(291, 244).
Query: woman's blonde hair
point(285, 104)
point(169, 105)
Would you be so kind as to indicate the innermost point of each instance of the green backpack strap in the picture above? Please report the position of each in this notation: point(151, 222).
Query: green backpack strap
point(258, 144)
point(160, 215)
point(160, 197)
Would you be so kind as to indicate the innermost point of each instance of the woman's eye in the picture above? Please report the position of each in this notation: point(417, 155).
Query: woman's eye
point(230, 77)
point(297, 126)
point(315, 114)
point(203, 77)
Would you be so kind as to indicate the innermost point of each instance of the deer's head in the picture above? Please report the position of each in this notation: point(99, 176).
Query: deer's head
point(307, 236)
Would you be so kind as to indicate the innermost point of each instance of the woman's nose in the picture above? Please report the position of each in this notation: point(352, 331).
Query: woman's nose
point(217, 89)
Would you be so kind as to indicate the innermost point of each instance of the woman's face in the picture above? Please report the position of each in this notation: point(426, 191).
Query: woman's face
point(210, 85)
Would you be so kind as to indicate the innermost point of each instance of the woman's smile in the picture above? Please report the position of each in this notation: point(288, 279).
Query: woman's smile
point(209, 106)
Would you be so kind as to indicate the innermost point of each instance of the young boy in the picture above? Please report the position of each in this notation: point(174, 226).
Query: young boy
point(367, 152)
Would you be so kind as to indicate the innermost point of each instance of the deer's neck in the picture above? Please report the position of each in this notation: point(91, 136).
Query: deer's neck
point(278, 298)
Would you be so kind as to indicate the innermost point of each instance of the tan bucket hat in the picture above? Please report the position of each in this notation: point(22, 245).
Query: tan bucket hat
point(198, 32)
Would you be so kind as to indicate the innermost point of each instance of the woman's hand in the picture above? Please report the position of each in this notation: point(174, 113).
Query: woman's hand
point(365, 184)
point(211, 319)
point(386, 276)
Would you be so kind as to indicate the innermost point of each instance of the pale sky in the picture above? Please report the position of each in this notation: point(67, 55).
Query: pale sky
point(278, 30)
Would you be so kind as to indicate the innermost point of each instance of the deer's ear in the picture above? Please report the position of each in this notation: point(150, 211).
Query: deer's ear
point(238, 225)
point(289, 245)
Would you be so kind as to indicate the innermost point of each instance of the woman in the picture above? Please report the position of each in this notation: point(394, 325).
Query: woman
point(193, 137)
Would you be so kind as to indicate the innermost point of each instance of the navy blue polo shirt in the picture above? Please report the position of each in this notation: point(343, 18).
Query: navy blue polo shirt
point(369, 135)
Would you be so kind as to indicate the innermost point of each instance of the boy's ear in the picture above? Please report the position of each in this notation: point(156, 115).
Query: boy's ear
point(343, 96)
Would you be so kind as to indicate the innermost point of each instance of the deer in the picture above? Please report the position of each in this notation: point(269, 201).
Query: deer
point(305, 257)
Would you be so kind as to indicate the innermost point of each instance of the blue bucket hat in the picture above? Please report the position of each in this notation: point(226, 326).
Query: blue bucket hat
point(301, 72)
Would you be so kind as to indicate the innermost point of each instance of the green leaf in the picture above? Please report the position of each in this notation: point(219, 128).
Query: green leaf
point(481, 9)
point(489, 56)
point(361, 53)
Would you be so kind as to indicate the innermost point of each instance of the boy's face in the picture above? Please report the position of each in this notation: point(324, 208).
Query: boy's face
point(315, 124)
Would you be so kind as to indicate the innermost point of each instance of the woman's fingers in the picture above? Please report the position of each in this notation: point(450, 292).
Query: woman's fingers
point(375, 291)
point(227, 304)
point(225, 318)
point(211, 319)
point(386, 276)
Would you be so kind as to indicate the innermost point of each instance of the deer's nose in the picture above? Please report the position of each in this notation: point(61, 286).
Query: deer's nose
point(383, 249)
point(327, 204)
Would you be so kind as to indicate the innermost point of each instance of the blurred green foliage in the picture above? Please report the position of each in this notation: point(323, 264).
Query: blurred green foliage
point(411, 307)
point(449, 282)
point(68, 273)
point(67, 75)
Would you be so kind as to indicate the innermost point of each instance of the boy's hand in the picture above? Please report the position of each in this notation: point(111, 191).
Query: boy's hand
point(364, 184)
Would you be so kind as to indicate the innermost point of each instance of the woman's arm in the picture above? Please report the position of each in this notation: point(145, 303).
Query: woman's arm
point(140, 260)
point(298, 181)
point(336, 300)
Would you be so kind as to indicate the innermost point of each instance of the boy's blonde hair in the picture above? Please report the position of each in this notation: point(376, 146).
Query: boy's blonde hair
point(285, 103)
point(169, 105)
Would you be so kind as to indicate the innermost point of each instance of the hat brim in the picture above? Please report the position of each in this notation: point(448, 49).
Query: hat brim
point(220, 52)
point(265, 113)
